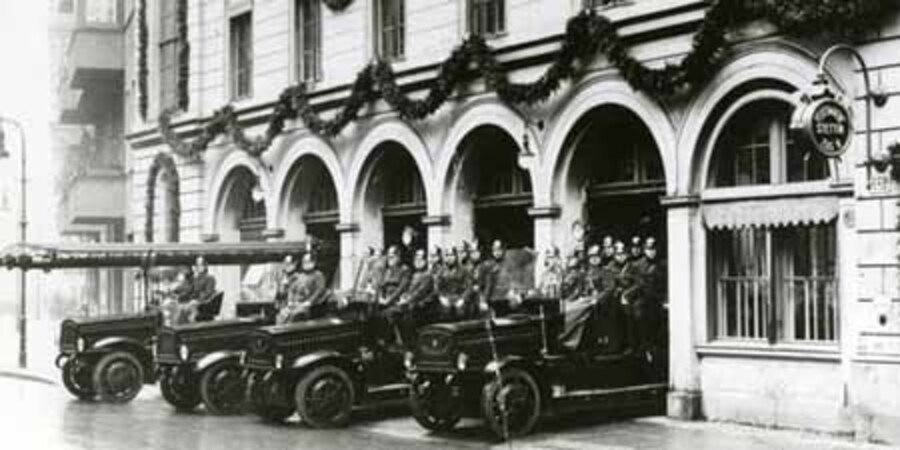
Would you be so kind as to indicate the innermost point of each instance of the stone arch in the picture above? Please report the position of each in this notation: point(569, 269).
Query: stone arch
point(218, 187)
point(163, 166)
point(306, 147)
point(774, 70)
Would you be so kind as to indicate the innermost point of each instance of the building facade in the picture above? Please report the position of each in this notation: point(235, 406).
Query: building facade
point(87, 48)
point(782, 264)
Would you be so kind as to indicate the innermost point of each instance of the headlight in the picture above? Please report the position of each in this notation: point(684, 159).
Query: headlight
point(462, 361)
point(408, 360)
point(184, 352)
point(80, 344)
point(279, 361)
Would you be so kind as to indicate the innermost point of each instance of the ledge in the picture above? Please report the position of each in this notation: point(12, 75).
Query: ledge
point(436, 221)
point(549, 212)
point(347, 227)
point(273, 233)
point(764, 351)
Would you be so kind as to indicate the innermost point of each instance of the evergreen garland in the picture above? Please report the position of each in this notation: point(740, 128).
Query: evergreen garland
point(586, 35)
point(184, 56)
point(165, 163)
point(142, 70)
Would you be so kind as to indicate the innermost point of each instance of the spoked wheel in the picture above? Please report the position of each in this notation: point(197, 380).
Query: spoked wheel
point(325, 397)
point(180, 390)
point(118, 377)
point(222, 388)
point(261, 396)
point(76, 377)
point(512, 404)
point(434, 406)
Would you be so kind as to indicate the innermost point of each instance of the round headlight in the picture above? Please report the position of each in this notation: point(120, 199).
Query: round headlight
point(80, 344)
point(184, 352)
point(408, 360)
point(279, 361)
point(462, 361)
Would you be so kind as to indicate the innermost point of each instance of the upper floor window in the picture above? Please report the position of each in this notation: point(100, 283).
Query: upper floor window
point(241, 55)
point(169, 50)
point(390, 28)
point(757, 148)
point(487, 17)
point(308, 40)
point(101, 11)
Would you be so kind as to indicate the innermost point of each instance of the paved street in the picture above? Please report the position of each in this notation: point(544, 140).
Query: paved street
point(38, 415)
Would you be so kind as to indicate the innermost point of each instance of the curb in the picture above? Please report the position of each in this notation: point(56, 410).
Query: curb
point(26, 375)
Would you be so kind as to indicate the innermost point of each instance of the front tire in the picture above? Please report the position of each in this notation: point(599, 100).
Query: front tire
point(180, 391)
point(511, 405)
point(118, 377)
point(325, 397)
point(434, 406)
point(76, 377)
point(259, 395)
point(222, 388)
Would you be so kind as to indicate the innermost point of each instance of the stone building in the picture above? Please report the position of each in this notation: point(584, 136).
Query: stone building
point(782, 287)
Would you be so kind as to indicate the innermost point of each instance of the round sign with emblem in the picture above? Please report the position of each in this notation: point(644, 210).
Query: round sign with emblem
point(827, 124)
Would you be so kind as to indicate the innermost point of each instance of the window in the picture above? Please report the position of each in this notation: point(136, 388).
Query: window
point(241, 65)
point(795, 266)
point(487, 17)
point(308, 40)
point(756, 148)
point(101, 11)
point(169, 50)
point(66, 6)
point(390, 29)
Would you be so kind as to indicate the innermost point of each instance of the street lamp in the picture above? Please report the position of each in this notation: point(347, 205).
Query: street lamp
point(23, 225)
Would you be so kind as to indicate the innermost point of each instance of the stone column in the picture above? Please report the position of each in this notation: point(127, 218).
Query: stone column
point(437, 230)
point(347, 270)
point(683, 252)
point(544, 218)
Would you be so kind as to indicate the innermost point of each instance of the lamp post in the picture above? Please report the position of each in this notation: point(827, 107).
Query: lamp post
point(23, 226)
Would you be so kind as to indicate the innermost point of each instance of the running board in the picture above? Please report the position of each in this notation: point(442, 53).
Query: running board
point(646, 399)
point(611, 391)
point(388, 393)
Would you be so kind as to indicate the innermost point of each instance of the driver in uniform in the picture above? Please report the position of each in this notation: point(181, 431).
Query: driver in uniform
point(393, 282)
point(414, 303)
point(454, 288)
point(200, 288)
point(307, 294)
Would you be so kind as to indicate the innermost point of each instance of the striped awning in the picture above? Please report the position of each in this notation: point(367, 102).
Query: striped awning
point(782, 212)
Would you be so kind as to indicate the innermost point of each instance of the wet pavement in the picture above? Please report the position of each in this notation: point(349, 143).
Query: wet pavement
point(38, 415)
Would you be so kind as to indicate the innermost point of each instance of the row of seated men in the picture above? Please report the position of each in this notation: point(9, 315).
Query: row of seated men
point(193, 288)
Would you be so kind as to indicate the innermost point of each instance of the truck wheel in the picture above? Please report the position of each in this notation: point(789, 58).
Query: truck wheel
point(258, 397)
point(325, 397)
point(222, 388)
point(118, 377)
point(179, 391)
point(433, 405)
point(512, 404)
point(76, 377)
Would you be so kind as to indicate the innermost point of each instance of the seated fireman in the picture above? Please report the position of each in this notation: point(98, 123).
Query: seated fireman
point(454, 289)
point(415, 304)
point(499, 280)
point(307, 295)
point(393, 281)
point(597, 295)
point(196, 289)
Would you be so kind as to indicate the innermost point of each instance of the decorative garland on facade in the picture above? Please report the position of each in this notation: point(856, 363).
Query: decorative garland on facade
point(184, 56)
point(142, 71)
point(165, 163)
point(586, 35)
point(337, 5)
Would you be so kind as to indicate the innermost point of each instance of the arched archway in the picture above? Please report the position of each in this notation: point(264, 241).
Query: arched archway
point(488, 194)
point(163, 201)
point(611, 177)
point(310, 210)
point(390, 196)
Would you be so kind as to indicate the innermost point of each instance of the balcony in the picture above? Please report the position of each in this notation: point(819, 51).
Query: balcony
point(95, 67)
point(92, 185)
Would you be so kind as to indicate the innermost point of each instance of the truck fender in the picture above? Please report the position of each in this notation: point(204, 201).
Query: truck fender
point(216, 357)
point(134, 346)
point(496, 366)
point(310, 359)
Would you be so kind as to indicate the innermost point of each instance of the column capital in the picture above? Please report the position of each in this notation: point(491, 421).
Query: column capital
point(273, 233)
point(209, 237)
point(436, 221)
point(348, 227)
point(545, 212)
point(679, 201)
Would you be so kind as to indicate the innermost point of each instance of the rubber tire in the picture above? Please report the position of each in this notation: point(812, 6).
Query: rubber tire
point(255, 399)
point(301, 396)
point(70, 380)
point(172, 393)
point(426, 418)
point(105, 362)
point(489, 403)
point(207, 385)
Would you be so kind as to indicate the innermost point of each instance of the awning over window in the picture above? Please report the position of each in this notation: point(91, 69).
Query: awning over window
point(770, 213)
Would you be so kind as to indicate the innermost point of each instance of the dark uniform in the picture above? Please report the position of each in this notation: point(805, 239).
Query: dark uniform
point(454, 288)
point(482, 274)
point(307, 297)
point(394, 282)
point(413, 306)
point(645, 297)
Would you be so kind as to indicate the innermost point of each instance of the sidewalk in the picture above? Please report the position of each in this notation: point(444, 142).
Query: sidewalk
point(25, 374)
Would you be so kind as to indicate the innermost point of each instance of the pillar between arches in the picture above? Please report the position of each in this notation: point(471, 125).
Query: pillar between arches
point(438, 226)
point(348, 235)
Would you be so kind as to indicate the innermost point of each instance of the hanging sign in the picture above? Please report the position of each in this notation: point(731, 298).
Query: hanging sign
point(826, 124)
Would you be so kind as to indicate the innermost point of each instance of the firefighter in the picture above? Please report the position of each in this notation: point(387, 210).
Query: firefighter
point(393, 283)
point(644, 298)
point(435, 261)
point(414, 302)
point(574, 280)
point(286, 277)
point(200, 287)
point(582, 302)
point(480, 270)
point(608, 249)
point(625, 278)
point(454, 289)
point(308, 294)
